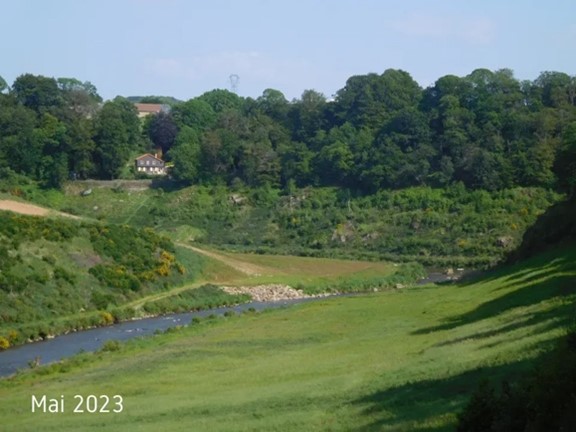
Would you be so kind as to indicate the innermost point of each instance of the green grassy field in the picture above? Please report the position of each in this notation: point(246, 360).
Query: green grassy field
point(402, 360)
point(308, 273)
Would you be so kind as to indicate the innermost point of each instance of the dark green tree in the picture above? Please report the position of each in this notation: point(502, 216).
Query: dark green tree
point(371, 100)
point(37, 92)
point(221, 100)
point(402, 154)
point(557, 89)
point(80, 97)
point(3, 85)
point(296, 163)
point(195, 113)
point(307, 116)
point(186, 156)
point(81, 147)
point(116, 137)
point(273, 103)
point(161, 130)
point(18, 147)
point(565, 164)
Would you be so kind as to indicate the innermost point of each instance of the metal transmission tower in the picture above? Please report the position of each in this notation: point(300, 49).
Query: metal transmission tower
point(234, 80)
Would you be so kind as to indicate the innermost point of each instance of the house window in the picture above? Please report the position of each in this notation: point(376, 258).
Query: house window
point(147, 162)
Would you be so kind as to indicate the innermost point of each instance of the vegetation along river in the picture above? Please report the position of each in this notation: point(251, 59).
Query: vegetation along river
point(61, 347)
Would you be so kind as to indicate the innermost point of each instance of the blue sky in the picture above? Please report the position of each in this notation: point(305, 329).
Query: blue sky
point(183, 48)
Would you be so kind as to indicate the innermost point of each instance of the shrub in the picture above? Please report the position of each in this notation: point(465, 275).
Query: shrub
point(62, 274)
point(115, 276)
point(102, 300)
point(122, 314)
point(4, 343)
point(106, 318)
point(110, 346)
point(13, 337)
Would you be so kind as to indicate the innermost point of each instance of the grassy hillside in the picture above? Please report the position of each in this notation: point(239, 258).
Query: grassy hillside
point(438, 227)
point(60, 274)
point(56, 273)
point(401, 360)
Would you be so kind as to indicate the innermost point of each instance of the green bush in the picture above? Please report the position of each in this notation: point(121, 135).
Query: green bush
point(4, 343)
point(122, 313)
point(110, 346)
point(115, 276)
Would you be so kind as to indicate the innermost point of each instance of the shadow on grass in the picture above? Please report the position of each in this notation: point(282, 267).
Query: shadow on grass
point(560, 316)
point(432, 405)
point(548, 287)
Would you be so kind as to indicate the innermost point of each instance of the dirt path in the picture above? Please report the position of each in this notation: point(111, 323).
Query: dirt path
point(34, 210)
point(31, 209)
point(244, 267)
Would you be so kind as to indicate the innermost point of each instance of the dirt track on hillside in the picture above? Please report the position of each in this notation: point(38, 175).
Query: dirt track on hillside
point(244, 267)
point(34, 210)
point(31, 209)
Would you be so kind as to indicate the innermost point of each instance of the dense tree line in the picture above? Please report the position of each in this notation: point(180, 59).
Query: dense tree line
point(487, 130)
point(55, 129)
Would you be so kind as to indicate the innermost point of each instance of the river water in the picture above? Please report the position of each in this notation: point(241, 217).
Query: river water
point(67, 345)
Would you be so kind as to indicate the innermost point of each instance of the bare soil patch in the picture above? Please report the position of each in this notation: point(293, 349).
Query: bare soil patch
point(31, 209)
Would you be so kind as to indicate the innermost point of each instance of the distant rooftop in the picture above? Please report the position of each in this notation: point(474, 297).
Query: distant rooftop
point(145, 109)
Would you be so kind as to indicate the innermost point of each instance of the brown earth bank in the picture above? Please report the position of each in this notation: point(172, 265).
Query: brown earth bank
point(30, 209)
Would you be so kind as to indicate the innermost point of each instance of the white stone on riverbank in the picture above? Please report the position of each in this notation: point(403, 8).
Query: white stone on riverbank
point(271, 292)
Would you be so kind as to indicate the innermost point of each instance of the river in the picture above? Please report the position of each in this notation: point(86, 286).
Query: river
point(52, 350)
point(60, 347)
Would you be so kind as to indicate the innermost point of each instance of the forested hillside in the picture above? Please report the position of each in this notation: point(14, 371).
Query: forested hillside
point(487, 130)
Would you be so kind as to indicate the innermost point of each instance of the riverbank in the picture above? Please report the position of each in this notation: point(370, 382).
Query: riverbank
point(54, 348)
point(271, 292)
point(60, 347)
point(267, 293)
